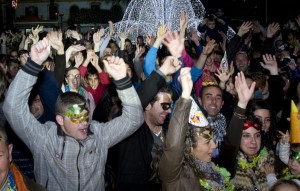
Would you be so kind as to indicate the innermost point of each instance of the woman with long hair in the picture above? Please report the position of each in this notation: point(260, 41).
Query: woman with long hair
point(185, 163)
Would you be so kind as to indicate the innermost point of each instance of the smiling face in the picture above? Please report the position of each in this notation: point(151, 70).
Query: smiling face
point(93, 81)
point(156, 113)
point(204, 148)
point(264, 117)
point(73, 79)
point(242, 62)
point(212, 101)
point(250, 142)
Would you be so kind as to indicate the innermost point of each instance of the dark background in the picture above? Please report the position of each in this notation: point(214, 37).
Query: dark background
point(276, 10)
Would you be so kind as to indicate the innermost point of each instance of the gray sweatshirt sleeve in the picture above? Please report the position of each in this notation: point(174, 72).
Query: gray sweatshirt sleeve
point(17, 112)
point(284, 152)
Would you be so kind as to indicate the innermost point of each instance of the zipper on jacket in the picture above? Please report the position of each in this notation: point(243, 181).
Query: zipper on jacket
point(63, 148)
point(78, 166)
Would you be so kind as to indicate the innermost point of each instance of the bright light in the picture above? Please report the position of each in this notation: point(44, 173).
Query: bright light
point(14, 4)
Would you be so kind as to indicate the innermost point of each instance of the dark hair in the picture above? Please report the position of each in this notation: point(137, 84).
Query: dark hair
point(70, 68)
point(91, 70)
point(3, 85)
point(284, 182)
point(208, 86)
point(67, 99)
point(164, 89)
point(256, 104)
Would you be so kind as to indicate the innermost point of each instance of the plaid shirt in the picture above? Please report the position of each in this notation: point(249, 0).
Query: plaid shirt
point(61, 162)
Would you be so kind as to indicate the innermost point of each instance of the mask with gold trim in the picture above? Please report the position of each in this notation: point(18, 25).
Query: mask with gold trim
point(74, 113)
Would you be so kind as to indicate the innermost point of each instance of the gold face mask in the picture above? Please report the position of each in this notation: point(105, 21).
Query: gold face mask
point(206, 133)
point(74, 114)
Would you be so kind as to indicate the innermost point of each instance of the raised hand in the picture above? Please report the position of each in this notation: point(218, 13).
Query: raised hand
point(174, 43)
point(78, 59)
point(223, 75)
point(73, 49)
point(97, 36)
point(55, 38)
point(74, 34)
point(34, 38)
point(139, 51)
point(285, 137)
point(111, 28)
point(37, 30)
point(244, 92)
point(150, 40)
point(194, 36)
point(170, 65)
point(115, 67)
point(270, 64)
point(183, 21)
point(161, 31)
point(186, 82)
point(40, 51)
point(272, 29)
point(209, 47)
point(244, 28)
point(94, 60)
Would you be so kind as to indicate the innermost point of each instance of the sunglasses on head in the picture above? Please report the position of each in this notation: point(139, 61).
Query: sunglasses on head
point(165, 106)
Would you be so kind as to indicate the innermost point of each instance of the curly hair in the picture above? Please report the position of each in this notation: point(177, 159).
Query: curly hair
point(191, 138)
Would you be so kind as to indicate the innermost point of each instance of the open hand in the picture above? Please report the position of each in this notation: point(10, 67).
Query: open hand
point(244, 92)
point(270, 63)
point(174, 43)
point(244, 28)
point(55, 39)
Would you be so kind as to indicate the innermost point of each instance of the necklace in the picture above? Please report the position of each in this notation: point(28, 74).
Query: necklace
point(227, 185)
point(288, 175)
point(246, 165)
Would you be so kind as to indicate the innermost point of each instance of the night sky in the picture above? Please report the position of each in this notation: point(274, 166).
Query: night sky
point(279, 11)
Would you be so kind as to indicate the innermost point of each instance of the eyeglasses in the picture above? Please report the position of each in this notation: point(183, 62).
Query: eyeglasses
point(72, 76)
point(165, 106)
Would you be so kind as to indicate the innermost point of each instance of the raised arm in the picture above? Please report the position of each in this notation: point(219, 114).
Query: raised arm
point(132, 113)
point(232, 140)
point(15, 105)
point(171, 162)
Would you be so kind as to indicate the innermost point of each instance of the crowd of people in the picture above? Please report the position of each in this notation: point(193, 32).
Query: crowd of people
point(171, 111)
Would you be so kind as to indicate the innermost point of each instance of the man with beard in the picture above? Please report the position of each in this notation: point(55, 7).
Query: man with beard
point(137, 151)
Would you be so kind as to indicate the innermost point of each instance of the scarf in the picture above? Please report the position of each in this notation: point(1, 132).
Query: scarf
point(249, 179)
point(11, 182)
point(209, 172)
point(219, 127)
